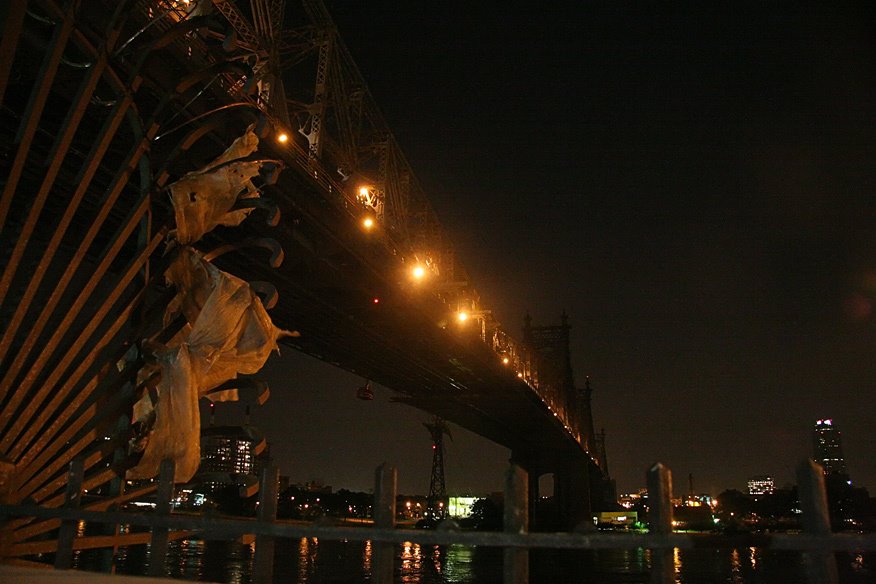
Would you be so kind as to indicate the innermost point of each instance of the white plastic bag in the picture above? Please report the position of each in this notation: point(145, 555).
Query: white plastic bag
point(203, 199)
point(229, 333)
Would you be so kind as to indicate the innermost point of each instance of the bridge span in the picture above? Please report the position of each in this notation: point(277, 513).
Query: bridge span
point(118, 121)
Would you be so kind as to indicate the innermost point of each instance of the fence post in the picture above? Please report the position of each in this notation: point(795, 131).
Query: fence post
point(515, 561)
point(385, 485)
point(820, 564)
point(116, 488)
point(263, 568)
point(72, 500)
point(158, 542)
point(660, 520)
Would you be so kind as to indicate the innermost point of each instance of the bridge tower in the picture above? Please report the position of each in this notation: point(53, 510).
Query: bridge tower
point(436, 507)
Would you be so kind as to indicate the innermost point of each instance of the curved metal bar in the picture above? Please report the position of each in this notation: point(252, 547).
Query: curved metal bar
point(270, 244)
point(253, 158)
point(259, 390)
point(224, 67)
point(271, 172)
point(267, 293)
point(143, 29)
point(230, 106)
point(267, 205)
point(180, 30)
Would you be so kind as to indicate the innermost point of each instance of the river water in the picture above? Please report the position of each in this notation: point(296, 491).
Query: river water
point(313, 561)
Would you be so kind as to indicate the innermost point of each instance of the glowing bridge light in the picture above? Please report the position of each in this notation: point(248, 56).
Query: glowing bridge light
point(506, 360)
point(363, 192)
point(462, 316)
point(419, 272)
point(368, 222)
point(282, 137)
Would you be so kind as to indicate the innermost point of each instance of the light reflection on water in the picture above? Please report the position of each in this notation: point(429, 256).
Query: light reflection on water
point(411, 563)
point(313, 561)
point(735, 566)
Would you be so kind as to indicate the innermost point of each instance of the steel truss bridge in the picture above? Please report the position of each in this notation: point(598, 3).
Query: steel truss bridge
point(107, 104)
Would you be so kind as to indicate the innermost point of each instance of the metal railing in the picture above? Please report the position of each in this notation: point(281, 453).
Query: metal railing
point(816, 542)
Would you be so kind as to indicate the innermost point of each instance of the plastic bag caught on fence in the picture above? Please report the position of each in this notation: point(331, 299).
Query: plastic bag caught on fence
point(203, 199)
point(176, 431)
point(228, 333)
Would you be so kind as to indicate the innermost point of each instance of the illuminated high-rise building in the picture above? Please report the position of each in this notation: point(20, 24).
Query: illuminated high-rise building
point(229, 456)
point(828, 447)
point(761, 485)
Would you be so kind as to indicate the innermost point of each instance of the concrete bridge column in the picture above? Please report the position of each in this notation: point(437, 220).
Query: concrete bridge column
point(572, 494)
point(534, 471)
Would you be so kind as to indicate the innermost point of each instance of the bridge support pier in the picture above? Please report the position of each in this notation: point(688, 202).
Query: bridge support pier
point(571, 502)
point(572, 494)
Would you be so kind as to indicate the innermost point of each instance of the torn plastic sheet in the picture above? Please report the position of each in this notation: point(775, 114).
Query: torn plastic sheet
point(176, 433)
point(203, 199)
point(229, 333)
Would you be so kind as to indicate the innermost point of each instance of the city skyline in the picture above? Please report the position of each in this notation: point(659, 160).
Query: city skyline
point(348, 456)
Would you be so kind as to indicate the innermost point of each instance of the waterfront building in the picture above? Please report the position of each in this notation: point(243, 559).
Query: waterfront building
point(459, 507)
point(761, 485)
point(828, 448)
point(228, 457)
point(632, 500)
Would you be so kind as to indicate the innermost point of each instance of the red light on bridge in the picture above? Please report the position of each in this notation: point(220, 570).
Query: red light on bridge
point(375, 300)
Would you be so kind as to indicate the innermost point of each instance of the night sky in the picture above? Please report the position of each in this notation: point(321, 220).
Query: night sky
point(694, 184)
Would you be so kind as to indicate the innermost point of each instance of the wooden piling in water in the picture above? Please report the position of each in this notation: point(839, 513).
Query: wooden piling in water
point(659, 481)
point(263, 564)
point(385, 487)
point(820, 564)
point(158, 542)
point(515, 564)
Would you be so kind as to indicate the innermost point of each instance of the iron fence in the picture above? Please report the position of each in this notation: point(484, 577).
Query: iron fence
point(817, 543)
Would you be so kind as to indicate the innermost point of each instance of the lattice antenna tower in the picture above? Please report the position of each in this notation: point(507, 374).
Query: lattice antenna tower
point(436, 506)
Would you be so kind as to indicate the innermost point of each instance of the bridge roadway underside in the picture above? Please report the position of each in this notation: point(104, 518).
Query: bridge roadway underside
point(408, 342)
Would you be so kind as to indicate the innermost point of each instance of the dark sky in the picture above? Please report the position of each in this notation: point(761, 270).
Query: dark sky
point(694, 183)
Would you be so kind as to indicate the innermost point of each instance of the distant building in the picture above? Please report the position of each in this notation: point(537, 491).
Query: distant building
point(701, 500)
point(617, 518)
point(828, 447)
point(228, 457)
point(761, 485)
point(459, 507)
point(631, 500)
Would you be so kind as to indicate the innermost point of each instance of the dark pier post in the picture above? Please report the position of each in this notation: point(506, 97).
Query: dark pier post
point(72, 500)
point(532, 495)
point(263, 565)
point(515, 565)
point(158, 544)
point(820, 564)
point(660, 521)
point(385, 486)
point(115, 489)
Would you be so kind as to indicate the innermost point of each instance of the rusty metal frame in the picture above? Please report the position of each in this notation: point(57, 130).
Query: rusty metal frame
point(55, 382)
